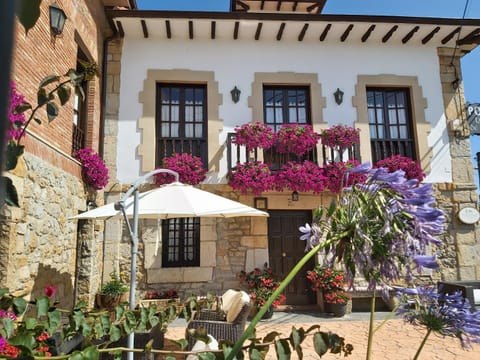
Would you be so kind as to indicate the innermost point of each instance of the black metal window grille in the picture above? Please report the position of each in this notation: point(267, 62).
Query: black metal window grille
point(181, 121)
point(181, 242)
point(390, 122)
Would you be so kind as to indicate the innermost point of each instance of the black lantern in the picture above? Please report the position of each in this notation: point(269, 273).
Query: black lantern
point(295, 196)
point(235, 94)
point(57, 19)
point(338, 96)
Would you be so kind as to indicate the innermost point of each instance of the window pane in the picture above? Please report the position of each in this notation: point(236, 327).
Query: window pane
point(392, 116)
point(402, 117)
point(380, 118)
point(373, 132)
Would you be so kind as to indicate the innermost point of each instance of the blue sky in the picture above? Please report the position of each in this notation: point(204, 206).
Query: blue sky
point(422, 8)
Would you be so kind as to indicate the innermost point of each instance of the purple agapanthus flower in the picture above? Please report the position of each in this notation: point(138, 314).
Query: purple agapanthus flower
point(381, 228)
point(442, 313)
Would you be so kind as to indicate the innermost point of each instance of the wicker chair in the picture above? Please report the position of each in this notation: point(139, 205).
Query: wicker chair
point(219, 324)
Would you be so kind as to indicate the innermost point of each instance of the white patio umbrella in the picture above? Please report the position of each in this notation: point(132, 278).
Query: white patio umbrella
point(175, 200)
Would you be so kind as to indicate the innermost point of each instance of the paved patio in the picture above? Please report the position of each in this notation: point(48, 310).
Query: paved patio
point(395, 340)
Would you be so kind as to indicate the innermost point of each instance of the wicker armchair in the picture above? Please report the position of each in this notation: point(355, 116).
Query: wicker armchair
point(219, 323)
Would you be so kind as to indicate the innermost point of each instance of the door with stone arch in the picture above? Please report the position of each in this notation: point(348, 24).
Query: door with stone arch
point(285, 249)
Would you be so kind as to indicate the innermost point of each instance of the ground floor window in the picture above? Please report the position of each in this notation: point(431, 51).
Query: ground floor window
point(181, 242)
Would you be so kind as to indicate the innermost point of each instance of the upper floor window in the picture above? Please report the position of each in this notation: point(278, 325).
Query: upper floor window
point(80, 109)
point(390, 122)
point(181, 242)
point(286, 105)
point(181, 121)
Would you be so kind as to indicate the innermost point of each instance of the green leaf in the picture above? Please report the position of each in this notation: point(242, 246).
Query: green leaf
point(8, 326)
point(43, 303)
point(258, 352)
point(12, 153)
point(207, 356)
point(64, 92)
point(283, 349)
point(296, 337)
point(91, 353)
point(271, 336)
point(76, 355)
point(31, 323)
point(183, 343)
point(115, 333)
point(48, 80)
point(11, 195)
point(3, 292)
point(320, 343)
point(20, 108)
point(52, 111)
point(24, 339)
point(28, 12)
point(42, 97)
point(54, 321)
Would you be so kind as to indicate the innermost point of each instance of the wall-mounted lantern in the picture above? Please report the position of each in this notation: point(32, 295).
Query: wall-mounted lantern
point(295, 196)
point(338, 96)
point(57, 19)
point(235, 94)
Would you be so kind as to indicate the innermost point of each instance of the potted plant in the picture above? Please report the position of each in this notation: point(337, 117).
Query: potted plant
point(112, 293)
point(300, 176)
point(335, 178)
point(161, 300)
point(260, 284)
point(332, 284)
point(253, 176)
point(340, 137)
point(411, 167)
point(254, 135)
point(189, 168)
point(296, 139)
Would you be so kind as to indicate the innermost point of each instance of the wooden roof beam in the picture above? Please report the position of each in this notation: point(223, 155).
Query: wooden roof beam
point(280, 31)
point(302, 33)
point(429, 37)
point(325, 32)
point(368, 33)
point(144, 28)
point(389, 34)
point(451, 35)
point(410, 34)
point(346, 33)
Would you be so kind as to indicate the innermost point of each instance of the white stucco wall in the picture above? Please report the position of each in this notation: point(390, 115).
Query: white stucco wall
point(235, 62)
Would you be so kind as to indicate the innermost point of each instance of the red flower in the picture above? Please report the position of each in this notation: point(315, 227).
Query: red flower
point(50, 290)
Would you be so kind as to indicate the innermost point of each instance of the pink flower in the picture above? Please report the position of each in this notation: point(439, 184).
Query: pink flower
point(252, 176)
point(94, 170)
point(189, 168)
point(50, 290)
point(340, 136)
point(296, 139)
point(256, 135)
point(16, 120)
point(411, 167)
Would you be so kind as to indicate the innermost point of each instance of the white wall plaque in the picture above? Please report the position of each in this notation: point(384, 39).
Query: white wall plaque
point(469, 215)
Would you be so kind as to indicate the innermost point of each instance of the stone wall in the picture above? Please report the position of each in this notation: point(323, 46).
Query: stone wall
point(38, 243)
point(461, 251)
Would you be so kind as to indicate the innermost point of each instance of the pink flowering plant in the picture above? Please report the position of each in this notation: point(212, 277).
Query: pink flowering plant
point(94, 170)
point(340, 137)
point(260, 284)
point(253, 176)
point(336, 177)
point(300, 176)
point(411, 167)
point(16, 119)
point(189, 168)
point(254, 135)
point(296, 139)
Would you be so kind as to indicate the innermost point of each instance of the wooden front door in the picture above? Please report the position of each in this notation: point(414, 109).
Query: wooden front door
point(285, 249)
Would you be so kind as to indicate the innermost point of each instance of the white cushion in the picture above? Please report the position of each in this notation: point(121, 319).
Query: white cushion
point(228, 298)
point(237, 306)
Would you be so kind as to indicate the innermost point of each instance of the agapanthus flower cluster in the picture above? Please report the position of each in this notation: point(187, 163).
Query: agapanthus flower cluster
point(260, 284)
point(296, 139)
point(335, 175)
point(16, 120)
point(340, 136)
point(379, 227)
point(411, 167)
point(254, 135)
point(252, 176)
point(189, 168)
point(94, 170)
point(300, 176)
point(441, 313)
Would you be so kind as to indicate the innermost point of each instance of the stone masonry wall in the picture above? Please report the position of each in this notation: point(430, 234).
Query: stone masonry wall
point(461, 251)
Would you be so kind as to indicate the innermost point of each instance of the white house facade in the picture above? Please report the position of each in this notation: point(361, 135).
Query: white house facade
point(273, 45)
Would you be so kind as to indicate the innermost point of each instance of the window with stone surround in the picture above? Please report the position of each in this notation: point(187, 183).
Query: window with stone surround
point(390, 123)
point(80, 108)
point(181, 242)
point(181, 121)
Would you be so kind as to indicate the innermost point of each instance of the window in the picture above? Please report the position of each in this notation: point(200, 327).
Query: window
point(181, 121)
point(286, 105)
point(181, 242)
point(80, 109)
point(390, 122)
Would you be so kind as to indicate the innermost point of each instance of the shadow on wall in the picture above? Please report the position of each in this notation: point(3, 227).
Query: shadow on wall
point(64, 282)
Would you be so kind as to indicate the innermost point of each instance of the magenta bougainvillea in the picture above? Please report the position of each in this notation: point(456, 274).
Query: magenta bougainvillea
point(253, 176)
point(340, 137)
point(335, 178)
point(296, 139)
point(16, 120)
point(94, 170)
point(254, 135)
point(189, 168)
point(300, 176)
point(411, 167)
